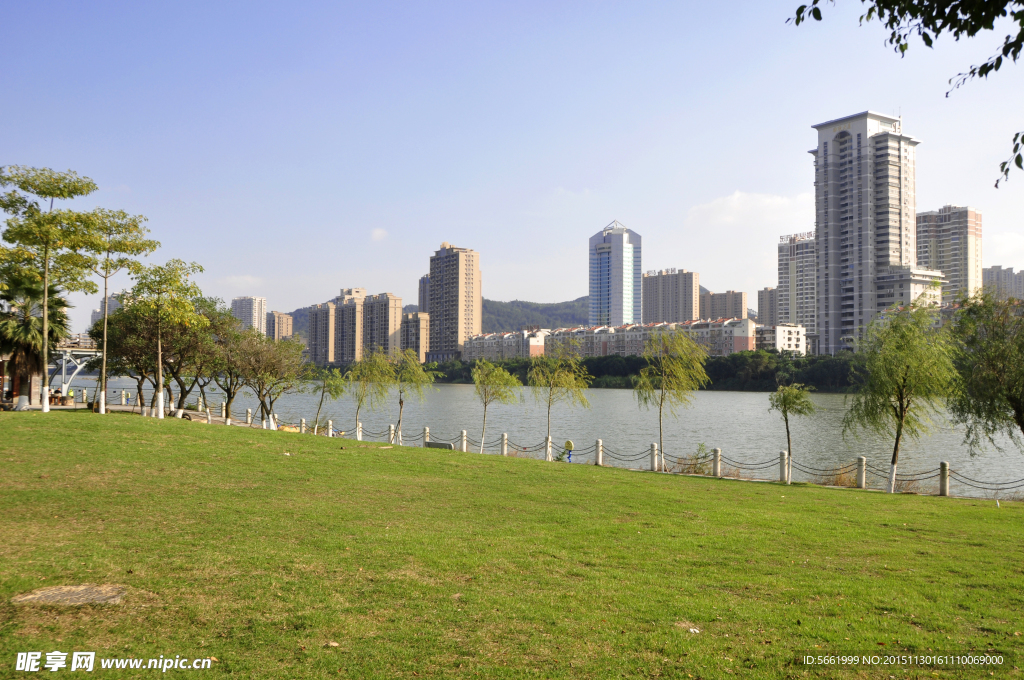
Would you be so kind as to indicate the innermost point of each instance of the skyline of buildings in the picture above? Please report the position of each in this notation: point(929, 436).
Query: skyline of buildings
point(1002, 282)
point(616, 276)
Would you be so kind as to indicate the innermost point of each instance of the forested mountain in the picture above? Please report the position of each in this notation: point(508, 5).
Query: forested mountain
point(511, 316)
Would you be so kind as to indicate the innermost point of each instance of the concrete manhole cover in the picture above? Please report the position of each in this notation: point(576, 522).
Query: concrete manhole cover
point(72, 595)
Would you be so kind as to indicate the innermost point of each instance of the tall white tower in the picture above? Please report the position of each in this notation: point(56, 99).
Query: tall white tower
point(251, 311)
point(865, 223)
point(616, 278)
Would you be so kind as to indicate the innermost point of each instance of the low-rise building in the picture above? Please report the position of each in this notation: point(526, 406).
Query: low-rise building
point(720, 337)
point(522, 344)
point(785, 337)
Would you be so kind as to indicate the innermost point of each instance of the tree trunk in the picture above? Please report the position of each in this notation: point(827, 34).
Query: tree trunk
point(789, 450)
point(45, 388)
point(483, 431)
point(159, 371)
point(895, 455)
point(316, 422)
point(103, 361)
point(550, 396)
point(401, 410)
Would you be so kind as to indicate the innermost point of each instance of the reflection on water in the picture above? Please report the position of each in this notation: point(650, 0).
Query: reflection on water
point(736, 422)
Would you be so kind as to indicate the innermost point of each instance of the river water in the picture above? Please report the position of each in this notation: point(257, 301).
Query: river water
point(737, 422)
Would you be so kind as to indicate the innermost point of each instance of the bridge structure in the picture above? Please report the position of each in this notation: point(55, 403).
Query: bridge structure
point(73, 353)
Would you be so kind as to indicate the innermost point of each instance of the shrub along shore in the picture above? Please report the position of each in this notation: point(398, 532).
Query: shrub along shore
point(754, 371)
point(420, 562)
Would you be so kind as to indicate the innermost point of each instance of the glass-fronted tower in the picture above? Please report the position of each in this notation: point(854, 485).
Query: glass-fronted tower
point(616, 278)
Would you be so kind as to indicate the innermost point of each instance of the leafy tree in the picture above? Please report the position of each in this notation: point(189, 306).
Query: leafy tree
point(190, 356)
point(675, 368)
point(49, 243)
point(229, 369)
point(369, 380)
point(790, 400)
point(493, 385)
point(988, 341)
point(166, 291)
point(409, 376)
point(929, 19)
point(115, 238)
point(21, 327)
point(131, 344)
point(559, 377)
point(329, 381)
point(909, 371)
point(270, 369)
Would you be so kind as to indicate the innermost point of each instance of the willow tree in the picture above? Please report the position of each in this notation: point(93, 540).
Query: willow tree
point(409, 376)
point(328, 381)
point(674, 370)
point(51, 242)
point(115, 239)
point(791, 400)
point(908, 371)
point(493, 385)
point(559, 377)
point(988, 352)
point(369, 380)
point(167, 292)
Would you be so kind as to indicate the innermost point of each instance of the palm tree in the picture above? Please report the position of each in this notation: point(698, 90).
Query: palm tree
point(21, 327)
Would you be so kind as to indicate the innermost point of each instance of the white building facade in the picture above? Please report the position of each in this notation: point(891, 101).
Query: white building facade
point(251, 311)
point(797, 299)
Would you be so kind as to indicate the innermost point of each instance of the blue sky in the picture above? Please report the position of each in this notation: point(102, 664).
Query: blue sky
point(294, 149)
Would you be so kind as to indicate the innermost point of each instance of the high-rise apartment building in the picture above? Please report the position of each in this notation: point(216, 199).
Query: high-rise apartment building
point(424, 298)
point(321, 334)
point(251, 311)
point(455, 301)
point(671, 295)
point(279, 325)
point(865, 223)
point(949, 240)
point(416, 334)
point(728, 305)
point(768, 306)
point(382, 323)
point(616, 288)
point(113, 304)
point(349, 333)
point(1003, 283)
point(796, 299)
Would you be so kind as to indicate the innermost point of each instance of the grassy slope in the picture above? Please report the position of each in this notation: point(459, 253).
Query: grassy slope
point(437, 563)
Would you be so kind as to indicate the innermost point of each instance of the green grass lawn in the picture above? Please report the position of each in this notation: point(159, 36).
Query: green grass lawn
point(420, 562)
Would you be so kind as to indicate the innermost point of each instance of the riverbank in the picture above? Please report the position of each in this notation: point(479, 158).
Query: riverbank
point(426, 562)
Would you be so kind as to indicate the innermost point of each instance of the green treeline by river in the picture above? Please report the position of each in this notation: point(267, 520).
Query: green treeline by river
point(757, 371)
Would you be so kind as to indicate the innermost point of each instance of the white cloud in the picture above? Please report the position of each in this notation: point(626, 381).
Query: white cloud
point(755, 211)
point(379, 234)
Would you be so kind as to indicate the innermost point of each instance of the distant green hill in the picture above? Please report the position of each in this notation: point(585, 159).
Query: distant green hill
point(499, 316)
point(511, 316)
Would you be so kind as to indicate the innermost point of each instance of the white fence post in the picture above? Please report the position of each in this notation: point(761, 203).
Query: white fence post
point(122, 398)
point(599, 457)
point(359, 432)
point(654, 457)
point(426, 436)
point(717, 468)
point(391, 433)
point(943, 478)
point(248, 416)
point(463, 447)
point(274, 420)
point(302, 426)
point(504, 443)
point(223, 409)
point(547, 449)
point(330, 429)
point(862, 472)
point(782, 466)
